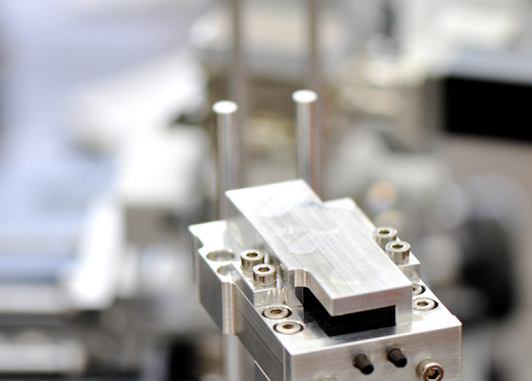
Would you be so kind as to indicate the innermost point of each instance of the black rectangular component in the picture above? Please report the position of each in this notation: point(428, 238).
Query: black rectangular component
point(487, 108)
point(349, 323)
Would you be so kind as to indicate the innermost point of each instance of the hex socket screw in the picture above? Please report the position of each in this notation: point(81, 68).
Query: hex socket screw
point(398, 251)
point(276, 312)
point(417, 289)
point(251, 258)
point(384, 234)
point(430, 370)
point(288, 327)
point(424, 304)
point(363, 363)
point(264, 275)
point(397, 357)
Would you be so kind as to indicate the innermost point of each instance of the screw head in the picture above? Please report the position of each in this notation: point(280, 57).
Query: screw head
point(417, 289)
point(251, 258)
point(398, 251)
point(288, 327)
point(430, 370)
point(264, 275)
point(384, 234)
point(424, 304)
point(276, 312)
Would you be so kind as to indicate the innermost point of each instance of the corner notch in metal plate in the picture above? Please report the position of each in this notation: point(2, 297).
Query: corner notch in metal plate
point(341, 263)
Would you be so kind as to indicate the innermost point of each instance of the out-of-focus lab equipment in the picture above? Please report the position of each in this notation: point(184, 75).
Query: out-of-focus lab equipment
point(126, 122)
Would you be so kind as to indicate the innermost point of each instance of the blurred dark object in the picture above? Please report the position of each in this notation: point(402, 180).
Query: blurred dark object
point(488, 265)
point(487, 107)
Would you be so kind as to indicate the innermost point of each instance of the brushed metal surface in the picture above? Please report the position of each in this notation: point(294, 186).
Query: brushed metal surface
point(319, 248)
point(282, 232)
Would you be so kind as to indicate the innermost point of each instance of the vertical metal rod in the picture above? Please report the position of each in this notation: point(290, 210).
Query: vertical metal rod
point(228, 154)
point(314, 73)
point(236, 359)
point(307, 137)
point(231, 160)
point(238, 85)
point(314, 83)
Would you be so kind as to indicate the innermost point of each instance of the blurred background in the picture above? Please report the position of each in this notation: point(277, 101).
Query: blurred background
point(107, 155)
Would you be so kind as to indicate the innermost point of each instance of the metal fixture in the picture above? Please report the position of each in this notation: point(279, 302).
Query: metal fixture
point(384, 234)
point(430, 370)
point(325, 267)
point(398, 251)
point(362, 363)
point(251, 258)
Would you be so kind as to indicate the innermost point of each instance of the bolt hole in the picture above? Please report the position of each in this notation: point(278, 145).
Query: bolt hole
point(220, 256)
point(263, 269)
point(276, 311)
point(225, 270)
point(253, 254)
point(423, 303)
point(384, 231)
point(288, 326)
point(398, 246)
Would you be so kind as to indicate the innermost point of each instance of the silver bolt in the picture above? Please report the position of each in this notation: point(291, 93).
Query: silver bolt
point(276, 312)
point(417, 289)
point(398, 251)
point(288, 327)
point(264, 275)
point(384, 234)
point(251, 258)
point(424, 304)
point(430, 370)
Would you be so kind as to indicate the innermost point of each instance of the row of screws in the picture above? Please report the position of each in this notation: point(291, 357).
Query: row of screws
point(427, 370)
point(252, 261)
point(386, 238)
point(399, 253)
point(287, 327)
point(264, 275)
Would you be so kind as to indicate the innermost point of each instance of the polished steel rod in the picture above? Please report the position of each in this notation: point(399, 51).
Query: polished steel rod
point(238, 77)
point(228, 154)
point(307, 137)
point(314, 81)
point(236, 359)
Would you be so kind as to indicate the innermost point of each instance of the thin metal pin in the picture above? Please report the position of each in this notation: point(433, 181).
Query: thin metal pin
point(238, 78)
point(228, 155)
point(307, 137)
